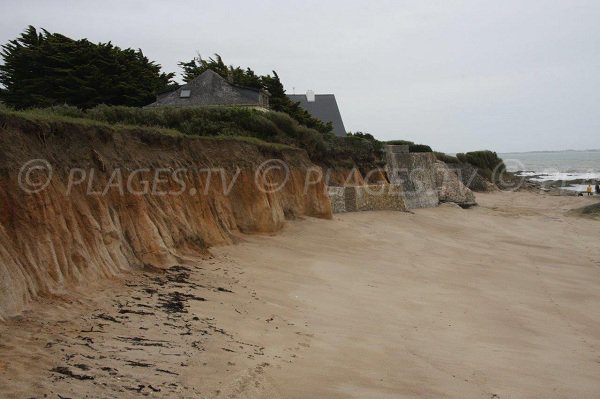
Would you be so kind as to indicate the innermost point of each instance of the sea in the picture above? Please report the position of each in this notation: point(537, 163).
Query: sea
point(555, 165)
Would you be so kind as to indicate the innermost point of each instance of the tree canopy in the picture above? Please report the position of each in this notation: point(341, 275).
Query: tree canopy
point(247, 77)
point(43, 69)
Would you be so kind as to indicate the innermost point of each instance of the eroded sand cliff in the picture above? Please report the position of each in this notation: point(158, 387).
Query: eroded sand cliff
point(100, 212)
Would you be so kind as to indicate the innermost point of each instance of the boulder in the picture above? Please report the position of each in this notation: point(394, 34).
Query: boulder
point(470, 177)
point(451, 188)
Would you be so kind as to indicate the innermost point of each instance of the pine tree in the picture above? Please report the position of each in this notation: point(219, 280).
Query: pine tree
point(246, 77)
point(43, 69)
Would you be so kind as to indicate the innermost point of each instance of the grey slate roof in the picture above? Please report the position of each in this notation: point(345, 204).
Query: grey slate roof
point(210, 88)
point(325, 108)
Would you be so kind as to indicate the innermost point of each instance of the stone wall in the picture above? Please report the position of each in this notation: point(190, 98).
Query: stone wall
point(415, 174)
point(380, 197)
point(337, 197)
point(376, 197)
point(416, 180)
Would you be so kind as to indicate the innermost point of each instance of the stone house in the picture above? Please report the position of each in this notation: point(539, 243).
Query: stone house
point(210, 88)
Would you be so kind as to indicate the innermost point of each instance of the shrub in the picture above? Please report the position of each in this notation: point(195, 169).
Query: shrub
point(488, 164)
point(400, 142)
point(419, 148)
point(440, 156)
point(482, 159)
point(67, 110)
point(275, 127)
point(412, 147)
point(360, 149)
point(352, 149)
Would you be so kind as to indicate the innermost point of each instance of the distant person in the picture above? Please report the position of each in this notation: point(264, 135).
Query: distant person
point(589, 189)
point(597, 189)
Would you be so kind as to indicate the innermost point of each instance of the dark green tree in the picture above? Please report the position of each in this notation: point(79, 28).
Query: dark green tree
point(377, 145)
point(42, 69)
point(246, 77)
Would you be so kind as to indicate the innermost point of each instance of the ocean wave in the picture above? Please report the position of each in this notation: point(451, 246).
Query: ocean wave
point(552, 175)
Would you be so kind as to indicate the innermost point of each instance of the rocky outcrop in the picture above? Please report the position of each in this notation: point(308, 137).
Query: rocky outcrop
point(118, 199)
point(450, 187)
point(470, 177)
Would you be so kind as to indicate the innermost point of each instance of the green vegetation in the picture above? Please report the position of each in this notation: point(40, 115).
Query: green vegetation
point(62, 79)
point(488, 165)
point(364, 149)
point(484, 160)
point(49, 117)
point(440, 156)
point(279, 101)
point(276, 127)
point(42, 69)
point(272, 130)
point(400, 142)
point(377, 145)
point(419, 148)
point(357, 149)
point(412, 147)
point(105, 85)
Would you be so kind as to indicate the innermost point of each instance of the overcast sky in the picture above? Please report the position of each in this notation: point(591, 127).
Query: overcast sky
point(510, 75)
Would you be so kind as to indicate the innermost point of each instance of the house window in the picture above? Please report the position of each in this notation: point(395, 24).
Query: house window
point(185, 93)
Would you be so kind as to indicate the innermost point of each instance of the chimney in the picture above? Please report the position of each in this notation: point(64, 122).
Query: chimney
point(310, 96)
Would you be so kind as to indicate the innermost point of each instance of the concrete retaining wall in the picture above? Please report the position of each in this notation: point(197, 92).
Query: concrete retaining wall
point(377, 197)
point(415, 174)
point(416, 180)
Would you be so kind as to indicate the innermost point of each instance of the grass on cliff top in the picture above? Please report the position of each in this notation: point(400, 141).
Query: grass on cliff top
point(275, 130)
point(42, 116)
point(48, 116)
point(205, 121)
point(440, 156)
point(412, 147)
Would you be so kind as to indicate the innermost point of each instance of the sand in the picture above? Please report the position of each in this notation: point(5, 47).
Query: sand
point(498, 301)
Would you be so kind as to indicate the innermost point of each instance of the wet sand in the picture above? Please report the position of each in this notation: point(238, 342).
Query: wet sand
point(499, 301)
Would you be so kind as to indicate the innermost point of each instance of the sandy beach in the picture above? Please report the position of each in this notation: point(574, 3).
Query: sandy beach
point(498, 301)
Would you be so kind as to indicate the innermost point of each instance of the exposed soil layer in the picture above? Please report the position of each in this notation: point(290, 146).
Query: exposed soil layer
point(121, 198)
point(498, 301)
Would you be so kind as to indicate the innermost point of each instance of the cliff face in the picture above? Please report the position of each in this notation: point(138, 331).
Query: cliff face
point(341, 177)
point(118, 199)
